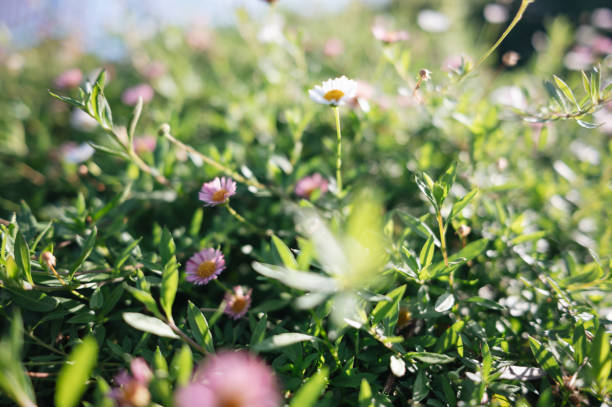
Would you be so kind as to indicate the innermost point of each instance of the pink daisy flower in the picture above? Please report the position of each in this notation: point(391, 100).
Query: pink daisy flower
point(236, 379)
point(130, 95)
point(389, 37)
point(204, 266)
point(238, 302)
point(133, 390)
point(217, 191)
point(307, 185)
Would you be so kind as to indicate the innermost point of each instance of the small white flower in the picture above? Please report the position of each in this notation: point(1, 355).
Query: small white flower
point(334, 92)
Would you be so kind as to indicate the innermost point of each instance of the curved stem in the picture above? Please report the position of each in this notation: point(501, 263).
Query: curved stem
point(185, 338)
point(211, 162)
point(338, 151)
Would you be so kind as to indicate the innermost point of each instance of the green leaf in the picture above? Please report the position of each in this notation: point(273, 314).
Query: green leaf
point(284, 253)
point(260, 331)
point(601, 359)
point(170, 274)
point(33, 300)
point(22, 257)
point(365, 394)
point(566, 90)
point(97, 299)
point(388, 309)
point(462, 203)
point(430, 358)
point(69, 100)
point(134, 122)
point(580, 344)
point(529, 237)
point(426, 186)
point(421, 387)
point(199, 327)
point(419, 227)
point(427, 253)
point(545, 359)
point(182, 365)
point(73, 376)
point(444, 302)
point(302, 280)
point(445, 183)
point(149, 324)
point(487, 362)
point(85, 252)
point(309, 393)
point(546, 399)
point(585, 83)
point(145, 298)
point(282, 340)
point(109, 150)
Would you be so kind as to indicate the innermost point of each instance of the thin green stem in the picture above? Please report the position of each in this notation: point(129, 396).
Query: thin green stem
point(443, 244)
point(338, 151)
point(223, 286)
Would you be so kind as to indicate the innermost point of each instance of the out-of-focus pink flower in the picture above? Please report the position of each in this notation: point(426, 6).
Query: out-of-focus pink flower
point(199, 38)
point(453, 63)
point(228, 378)
point(307, 185)
point(76, 153)
point(602, 45)
point(495, 13)
point(204, 266)
point(602, 18)
point(579, 58)
point(238, 302)
point(154, 70)
point(130, 95)
point(333, 47)
point(389, 37)
point(217, 191)
point(133, 390)
point(69, 79)
point(145, 144)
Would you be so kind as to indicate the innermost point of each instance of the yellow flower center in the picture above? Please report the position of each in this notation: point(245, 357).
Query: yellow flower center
point(238, 304)
point(219, 196)
point(333, 95)
point(206, 269)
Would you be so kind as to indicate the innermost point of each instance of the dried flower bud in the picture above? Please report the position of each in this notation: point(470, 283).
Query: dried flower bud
point(270, 1)
point(425, 75)
point(83, 170)
point(511, 58)
point(404, 317)
point(464, 230)
point(48, 259)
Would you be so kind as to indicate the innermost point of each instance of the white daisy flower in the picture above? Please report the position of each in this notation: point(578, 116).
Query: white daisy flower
point(334, 92)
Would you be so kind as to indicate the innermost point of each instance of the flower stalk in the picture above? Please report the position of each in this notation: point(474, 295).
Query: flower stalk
point(338, 151)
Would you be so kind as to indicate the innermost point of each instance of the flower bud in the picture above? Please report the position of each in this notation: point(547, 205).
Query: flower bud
point(425, 75)
point(47, 259)
point(463, 231)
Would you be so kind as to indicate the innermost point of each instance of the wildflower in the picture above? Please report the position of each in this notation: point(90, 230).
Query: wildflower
point(69, 79)
point(238, 302)
point(334, 92)
point(333, 47)
point(307, 185)
point(48, 259)
point(389, 37)
point(204, 266)
point(463, 231)
point(236, 379)
point(130, 95)
point(217, 191)
point(145, 144)
point(133, 390)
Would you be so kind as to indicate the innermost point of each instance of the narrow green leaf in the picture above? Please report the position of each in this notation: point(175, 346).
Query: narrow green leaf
point(22, 257)
point(418, 226)
point(284, 253)
point(73, 376)
point(149, 324)
point(444, 302)
point(134, 122)
point(601, 359)
point(430, 358)
point(386, 309)
point(462, 203)
point(108, 150)
point(420, 389)
point(566, 90)
point(309, 393)
point(260, 331)
point(282, 340)
point(85, 252)
point(182, 365)
point(199, 327)
point(170, 274)
point(427, 253)
point(545, 359)
point(69, 100)
point(487, 362)
point(365, 394)
point(585, 83)
point(145, 298)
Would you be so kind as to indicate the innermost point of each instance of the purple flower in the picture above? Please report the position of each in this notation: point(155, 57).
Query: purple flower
point(130, 95)
point(307, 185)
point(217, 191)
point(133, 390)
point(204, 266)
point(238, 302)
point(69, 79)
point(236, 379)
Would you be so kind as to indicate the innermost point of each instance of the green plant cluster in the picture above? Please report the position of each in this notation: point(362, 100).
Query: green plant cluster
point(465, 262)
